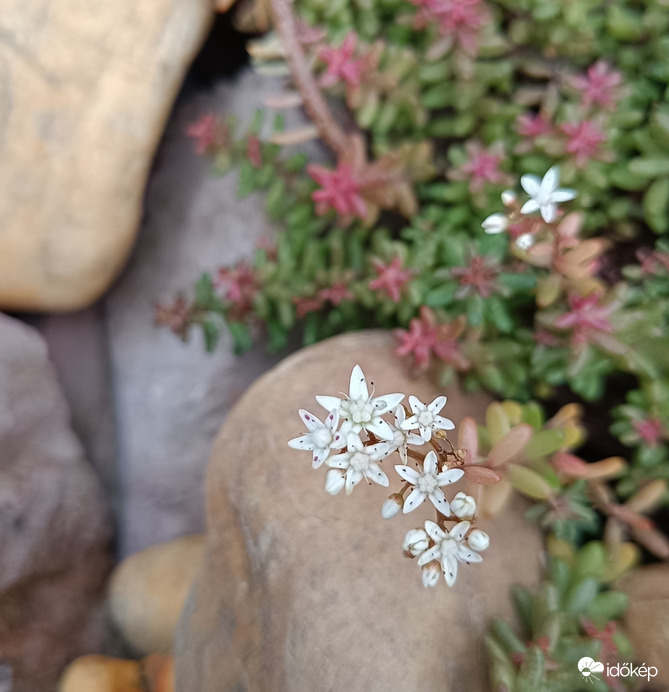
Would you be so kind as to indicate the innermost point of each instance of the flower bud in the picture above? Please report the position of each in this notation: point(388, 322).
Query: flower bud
point(430, 574)
point(525, 241)
point(392, 506)
point(334, 481)
point(478, 540)
point(463, 506)
point(415, 542)
point(509, 198)
point(495, 223)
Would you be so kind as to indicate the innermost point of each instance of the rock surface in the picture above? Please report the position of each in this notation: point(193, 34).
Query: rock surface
point(171, 397)
point(147, 592)
point(301, 591)
point(86, 90)
point(646, 621)
point(54, 526)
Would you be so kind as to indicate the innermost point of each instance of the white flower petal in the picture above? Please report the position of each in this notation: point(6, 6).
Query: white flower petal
point(450, 567)
point(432, 554)
point(549, 212)
point(385, 403)
point(354, 443)
point(339, 461)
point(303, 442)
point(377, 475)
point(410, 423)
point(415, 499)
point(416, 404)
point(531, 184)
point(310, 420)
point(425, 433)
point(442, 423)
point(437, 404)
point(353, 477)
point(334, 481)
point(409, 474)
point(449, 476)
point(430, 462)
point(380, 428)
point(550, 182)
point(466, 554)
point(332, 420)
point(565, 194)
point(329, 403)
point(320, 455)
point(434, 531)
point(529, 207)
point(357, 388)
point(457, 533)
point(440, 502)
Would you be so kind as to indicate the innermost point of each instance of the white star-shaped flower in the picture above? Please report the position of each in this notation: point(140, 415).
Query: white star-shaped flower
point(320, 437)
point(428, 483)
point(545, 194)
point(449, 549)
point(360, 462)
point(402, 437)
point(361, 410)
point(425, 417)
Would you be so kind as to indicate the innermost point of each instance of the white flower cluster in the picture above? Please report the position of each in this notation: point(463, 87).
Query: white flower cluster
point(339, 444)
point(545, 194)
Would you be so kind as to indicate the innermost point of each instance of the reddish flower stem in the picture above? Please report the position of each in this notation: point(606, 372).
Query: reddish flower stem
point(314, 103)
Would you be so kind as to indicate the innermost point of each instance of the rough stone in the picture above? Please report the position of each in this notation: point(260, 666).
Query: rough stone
point(147, 592)
point(171, 397)
point(54, 526)
point(86, 90)
point(300, 591)
point(646, 621)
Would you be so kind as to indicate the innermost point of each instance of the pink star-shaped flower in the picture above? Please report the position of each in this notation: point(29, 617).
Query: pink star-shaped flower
point(459, 19)
point(585, 317)
point(390, 278)
point(340, 63)
point(528, 125)
point(479, 276)
point(600, 86)
point(238, 284)
point(425, 337)
point(337, 293)
point(482, 166)
point(339, 190)
point(203, 131)
point(584, 140)
point(306, 305)
point(418, 341)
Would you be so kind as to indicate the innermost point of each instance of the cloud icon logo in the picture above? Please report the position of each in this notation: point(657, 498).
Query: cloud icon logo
point(588, 667)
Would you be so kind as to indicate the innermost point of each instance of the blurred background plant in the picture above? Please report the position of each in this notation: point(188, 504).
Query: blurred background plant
point(440, 106)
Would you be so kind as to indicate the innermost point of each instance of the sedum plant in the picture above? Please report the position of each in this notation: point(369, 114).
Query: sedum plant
point(497, 194)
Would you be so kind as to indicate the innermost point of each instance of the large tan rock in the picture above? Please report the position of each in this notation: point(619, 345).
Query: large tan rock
point(54, 526)
point(646, 621)
point(301, 591)
point(86, 89)
point(147, 592)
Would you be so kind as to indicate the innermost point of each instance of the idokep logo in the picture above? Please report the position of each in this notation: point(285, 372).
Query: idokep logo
point(589, 669)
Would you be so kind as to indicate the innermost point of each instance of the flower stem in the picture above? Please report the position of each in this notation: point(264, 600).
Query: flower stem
point(314, 103)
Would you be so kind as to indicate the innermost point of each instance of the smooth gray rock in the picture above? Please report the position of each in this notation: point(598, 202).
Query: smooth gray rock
point(170, 397)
